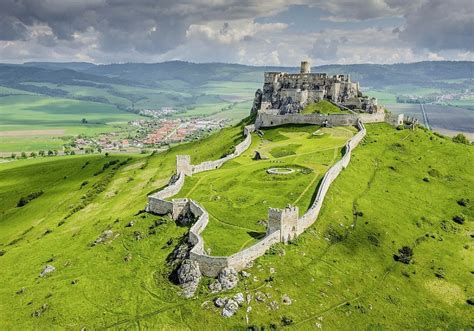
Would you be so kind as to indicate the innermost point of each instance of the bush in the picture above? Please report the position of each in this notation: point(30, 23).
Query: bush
point(405, 255)
point(24, 200)
point(463, 202)
point(459, 219)
point(461, 139)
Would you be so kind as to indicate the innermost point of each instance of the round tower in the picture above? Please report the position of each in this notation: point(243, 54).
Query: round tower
point(305, 67)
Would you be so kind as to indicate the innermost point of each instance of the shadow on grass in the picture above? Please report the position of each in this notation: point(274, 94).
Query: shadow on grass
point(256, 235)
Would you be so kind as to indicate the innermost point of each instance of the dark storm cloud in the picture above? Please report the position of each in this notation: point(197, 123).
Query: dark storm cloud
point(11, 29)
point(144, 25)
point(441, 25)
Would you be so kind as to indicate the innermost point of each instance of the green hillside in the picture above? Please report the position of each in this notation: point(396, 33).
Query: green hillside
point(402, 188)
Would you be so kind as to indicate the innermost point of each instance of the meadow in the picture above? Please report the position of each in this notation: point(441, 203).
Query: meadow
point(33, 122)
point(402, 188)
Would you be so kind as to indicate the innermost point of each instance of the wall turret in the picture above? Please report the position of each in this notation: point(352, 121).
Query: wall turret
point(305, 67)
point(284, 220)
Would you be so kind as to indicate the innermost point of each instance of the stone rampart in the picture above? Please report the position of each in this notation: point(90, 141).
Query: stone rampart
point(212, 265)
point(238, 150)
point(312, 214)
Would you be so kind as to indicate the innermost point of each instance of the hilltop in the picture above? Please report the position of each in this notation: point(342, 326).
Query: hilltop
point(340, 272)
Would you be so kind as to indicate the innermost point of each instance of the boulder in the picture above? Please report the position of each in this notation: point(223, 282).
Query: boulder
point(189, 276)
point(47, 270)
point(230, 308)
point(286, 299)
point(104, 236)
point(220, 302)
point(228, 278)
point(239, 298)
point(215, 287)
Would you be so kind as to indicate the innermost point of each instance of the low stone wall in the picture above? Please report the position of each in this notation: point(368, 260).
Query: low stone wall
point(239, 149)
point(265, 119)
point(312, 214)
point(157, 204)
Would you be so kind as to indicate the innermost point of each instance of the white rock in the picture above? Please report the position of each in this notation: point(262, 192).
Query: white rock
point(230, 308)
point(47, 270)
point(239, 298)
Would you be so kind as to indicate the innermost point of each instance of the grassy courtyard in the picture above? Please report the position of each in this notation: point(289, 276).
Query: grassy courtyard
point(238, 195)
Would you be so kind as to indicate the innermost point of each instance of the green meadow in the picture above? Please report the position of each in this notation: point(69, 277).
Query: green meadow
point(32, 122)
point(401, 188)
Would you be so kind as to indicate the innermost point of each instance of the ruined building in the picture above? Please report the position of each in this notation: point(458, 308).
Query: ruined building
point(289, 93)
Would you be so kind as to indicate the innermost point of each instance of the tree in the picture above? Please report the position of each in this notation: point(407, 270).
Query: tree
point(41, 153)
point(73, 153)
point(461, 139)
point(55, 152)
point(23, 155)
point(50, 153)
point(13, 155)
point(84, 121)
point(33, 154)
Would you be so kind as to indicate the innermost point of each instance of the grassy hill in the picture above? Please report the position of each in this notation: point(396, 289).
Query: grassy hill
point(402, 188)
point(322, 107)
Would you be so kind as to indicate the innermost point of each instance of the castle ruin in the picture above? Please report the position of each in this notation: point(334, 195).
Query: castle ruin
point(285, 93)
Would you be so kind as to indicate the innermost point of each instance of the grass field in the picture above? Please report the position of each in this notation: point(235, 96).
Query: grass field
point(340, 273)
point(238, 195)
point(47, 116)
point(322, 107)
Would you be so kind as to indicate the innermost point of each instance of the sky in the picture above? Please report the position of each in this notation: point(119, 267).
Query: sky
point(272, 32)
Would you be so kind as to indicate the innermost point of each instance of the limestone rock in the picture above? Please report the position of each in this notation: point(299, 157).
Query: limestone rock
point(245, 274)
point(257, 102)
point(47, 270)
point(274, 305)
point(40, 311)
point(260, 297)
point(230, 308)
point(228, 278)
point(239, 298)
point(220, 302)
point(104, 236)
point(286, 299)
point(189, 276)
point(215, 287)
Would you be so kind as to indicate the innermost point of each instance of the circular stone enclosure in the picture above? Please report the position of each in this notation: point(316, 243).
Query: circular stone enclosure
point(280, 171)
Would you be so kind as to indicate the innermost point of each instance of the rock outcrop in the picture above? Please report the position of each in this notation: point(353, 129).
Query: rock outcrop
point(189, 276)
point(228, 278)
point(47, 270)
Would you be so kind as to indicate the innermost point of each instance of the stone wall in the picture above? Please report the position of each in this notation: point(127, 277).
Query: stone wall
point(265, 119)
point(157, 204)
point(289, 223)
point(312, 214)
point(239, 149)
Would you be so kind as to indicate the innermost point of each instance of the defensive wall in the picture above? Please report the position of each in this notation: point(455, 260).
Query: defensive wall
point(283, 224)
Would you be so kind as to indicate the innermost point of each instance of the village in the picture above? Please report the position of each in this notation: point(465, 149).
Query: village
point(148, 133)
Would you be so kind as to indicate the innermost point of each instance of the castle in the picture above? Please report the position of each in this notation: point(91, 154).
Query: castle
point(280, 103)
point(285, 93)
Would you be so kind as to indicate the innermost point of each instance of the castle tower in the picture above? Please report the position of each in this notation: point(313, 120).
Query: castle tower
point(284, 220)
point(305, 67)
point(183, 164)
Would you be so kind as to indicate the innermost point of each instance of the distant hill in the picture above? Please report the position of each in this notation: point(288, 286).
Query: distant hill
point(153, 74)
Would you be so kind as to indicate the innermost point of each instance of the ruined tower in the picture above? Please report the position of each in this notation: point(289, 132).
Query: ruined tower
point(305, 67)
point(183, 164)
point(284, 220)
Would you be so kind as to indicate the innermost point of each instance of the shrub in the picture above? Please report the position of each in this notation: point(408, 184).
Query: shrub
point(405, 255)
point(463, 202)
point(24, 200)
point(461, 139)
point(459, 219)
point(286, 320)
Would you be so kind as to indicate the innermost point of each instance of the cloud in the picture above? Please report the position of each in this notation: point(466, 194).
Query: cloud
point(242, 31)
point(441, 25)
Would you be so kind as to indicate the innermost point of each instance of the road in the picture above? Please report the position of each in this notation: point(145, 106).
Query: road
point(425, 117)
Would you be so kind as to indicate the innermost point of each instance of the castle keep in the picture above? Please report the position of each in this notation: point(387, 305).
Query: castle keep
point(289, 93)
